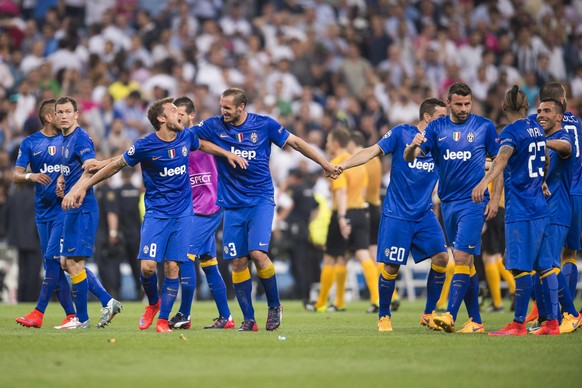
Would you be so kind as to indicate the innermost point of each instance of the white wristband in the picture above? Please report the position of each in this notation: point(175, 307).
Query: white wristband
point(27, 176)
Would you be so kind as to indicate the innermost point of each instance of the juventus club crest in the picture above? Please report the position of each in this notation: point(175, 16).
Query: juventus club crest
point(456, 136)
point(254, 137)
point(470, 137)
point(66, 153)
point(184, 151)
point(52, 150)
point(172, 153)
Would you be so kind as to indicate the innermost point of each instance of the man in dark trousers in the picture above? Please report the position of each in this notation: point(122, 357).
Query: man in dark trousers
point(23, 236)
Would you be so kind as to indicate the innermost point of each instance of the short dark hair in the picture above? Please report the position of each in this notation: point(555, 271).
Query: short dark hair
point(65, 100)
point(460, 89)
point(239, 95)
point(358, 138)
point(341, 135)
point(557, 102)
point(157, 109)
point(44, 109)
point(429, 106)
point(552, 90)
point(187, 103)
point(516, 100)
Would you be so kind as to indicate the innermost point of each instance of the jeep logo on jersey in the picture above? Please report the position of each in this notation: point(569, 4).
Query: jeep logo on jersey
point(52, 150)
point(460, 155)
point(247, 154)
point(48, 168)
point(254, 137)
point(65, 169)
point(456, 136)
point(184, 150)
point(427, 166)
point(470, 137)
point(171, 153)
point(173, 171)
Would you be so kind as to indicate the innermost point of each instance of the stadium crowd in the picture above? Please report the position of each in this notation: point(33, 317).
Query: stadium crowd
point(313, 65)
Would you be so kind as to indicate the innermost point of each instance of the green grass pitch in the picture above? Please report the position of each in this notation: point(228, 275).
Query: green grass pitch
point(341, 349)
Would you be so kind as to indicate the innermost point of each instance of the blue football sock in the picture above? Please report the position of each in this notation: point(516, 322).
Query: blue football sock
point(188, 284)
point(523, 289)
point(564, 296)
point(472, 299)
point(150, 287)
point(459, 285)
point(170, 289)
point(386, 285)
point(49, 283)
point(243, 296)
point(64, 293)
point(97, 289)
point(80, 295)
point(570, 271)
point(218, 288)
point(434, 287)
point(271, 291)
point(550, 292)
point(539, 295)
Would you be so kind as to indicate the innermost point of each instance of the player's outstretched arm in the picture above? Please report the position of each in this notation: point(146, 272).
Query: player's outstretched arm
point(21, 176)
point(361, 157)
point(213, 149)
point(412, 151)
point(498, 164)
point(562, 147)
point(298, 144)
point(75, 197)
point(94, 165)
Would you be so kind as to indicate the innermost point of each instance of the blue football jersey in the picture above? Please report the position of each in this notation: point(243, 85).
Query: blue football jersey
point(78, 148)
point(459, 152)
point(252, 141)
point(559, 181)
point(44, 155)
point(409, 194)
point(524, 174)
point(572, 125)
point(164, 167)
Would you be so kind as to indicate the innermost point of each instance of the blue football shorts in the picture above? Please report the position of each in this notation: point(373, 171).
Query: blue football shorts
point(203, 243)
point(463, 221)
point(165, 239)
point(79, 230)
point(573, 237)
point(527, 245)
point(50, 234)
point(247, 229)
point(398, 238)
